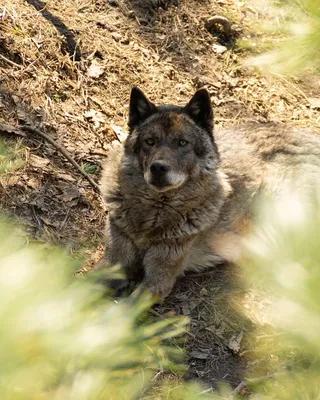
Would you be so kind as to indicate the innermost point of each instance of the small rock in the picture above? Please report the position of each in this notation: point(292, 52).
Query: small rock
point(219, 49)
point(95, 70)
point(235, 343)
point(116, 36)
point(314, 102)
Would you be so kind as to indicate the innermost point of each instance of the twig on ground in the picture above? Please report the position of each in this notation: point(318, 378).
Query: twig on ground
point(63, 151)
point(259, 379)
point(10, 62)
point(10, 129)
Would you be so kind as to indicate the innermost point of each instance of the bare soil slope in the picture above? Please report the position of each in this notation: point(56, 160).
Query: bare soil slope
point(67, 67)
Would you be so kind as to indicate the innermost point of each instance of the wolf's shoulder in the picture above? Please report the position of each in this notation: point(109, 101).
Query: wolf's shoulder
point(109, 182)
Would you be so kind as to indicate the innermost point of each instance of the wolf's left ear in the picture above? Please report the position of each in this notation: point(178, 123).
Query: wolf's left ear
point(140, 108)
point(200, 109)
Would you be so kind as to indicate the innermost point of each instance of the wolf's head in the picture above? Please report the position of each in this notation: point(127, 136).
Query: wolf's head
point(171, 144)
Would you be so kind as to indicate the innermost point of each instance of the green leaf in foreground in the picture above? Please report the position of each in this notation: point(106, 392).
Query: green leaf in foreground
point(60, 338)
point(284, 255)
point(296, 28)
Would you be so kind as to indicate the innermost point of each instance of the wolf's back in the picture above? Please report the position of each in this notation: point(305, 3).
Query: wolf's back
point(269, 156)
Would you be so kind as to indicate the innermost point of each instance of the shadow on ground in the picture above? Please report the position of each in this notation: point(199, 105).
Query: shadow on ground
point(217, 326)
point(70, 43)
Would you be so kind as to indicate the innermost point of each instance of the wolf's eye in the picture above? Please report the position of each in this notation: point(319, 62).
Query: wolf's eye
point(183, 143)
point(150, 142)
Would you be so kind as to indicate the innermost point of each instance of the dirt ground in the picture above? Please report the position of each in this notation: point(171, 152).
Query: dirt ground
point(67, 68)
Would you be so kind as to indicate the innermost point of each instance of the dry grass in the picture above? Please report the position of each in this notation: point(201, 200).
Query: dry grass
point(67, 67)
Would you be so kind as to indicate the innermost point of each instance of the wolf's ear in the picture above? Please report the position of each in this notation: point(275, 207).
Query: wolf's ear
point(200, 109)
point(140, 107)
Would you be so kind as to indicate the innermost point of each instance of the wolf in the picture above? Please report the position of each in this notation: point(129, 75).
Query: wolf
point(180, 195)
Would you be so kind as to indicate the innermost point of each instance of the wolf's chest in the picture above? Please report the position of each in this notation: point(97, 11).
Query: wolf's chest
point(148, 223)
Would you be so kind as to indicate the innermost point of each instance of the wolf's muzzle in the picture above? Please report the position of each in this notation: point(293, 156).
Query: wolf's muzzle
point(159, 169)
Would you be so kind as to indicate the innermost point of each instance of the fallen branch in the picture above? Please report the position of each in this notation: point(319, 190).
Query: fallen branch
point(10, 129)
point(63, 151)
point(259, 379)
point(10, 62)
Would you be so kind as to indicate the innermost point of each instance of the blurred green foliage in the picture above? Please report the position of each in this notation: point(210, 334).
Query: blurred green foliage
point(284, 254)
point(62, 338)
point(11, 156)
point(295, 28)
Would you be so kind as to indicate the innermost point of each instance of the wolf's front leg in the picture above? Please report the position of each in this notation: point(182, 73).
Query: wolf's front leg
point(163, 263)
point(121, 250)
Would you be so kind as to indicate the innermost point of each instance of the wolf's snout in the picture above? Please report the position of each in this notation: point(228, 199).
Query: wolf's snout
point(158, 168)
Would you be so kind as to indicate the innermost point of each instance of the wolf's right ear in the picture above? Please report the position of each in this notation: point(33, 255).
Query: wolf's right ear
point(140, 108)
point(200, 109)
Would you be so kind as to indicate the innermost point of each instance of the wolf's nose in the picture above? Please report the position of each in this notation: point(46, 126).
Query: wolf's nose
point(158, 168)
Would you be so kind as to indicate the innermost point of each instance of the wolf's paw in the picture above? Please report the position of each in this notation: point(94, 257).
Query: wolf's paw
point(116, 285)
point(158, 291)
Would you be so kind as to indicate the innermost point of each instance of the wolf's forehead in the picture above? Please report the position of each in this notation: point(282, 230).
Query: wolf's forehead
point(172, 123)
